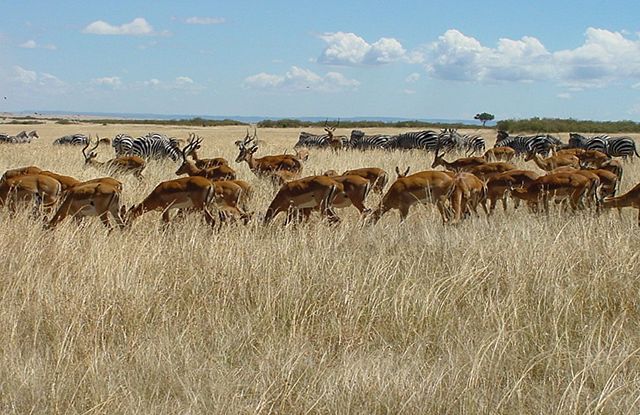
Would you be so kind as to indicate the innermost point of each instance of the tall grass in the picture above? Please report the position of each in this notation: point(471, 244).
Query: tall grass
point(512, 314)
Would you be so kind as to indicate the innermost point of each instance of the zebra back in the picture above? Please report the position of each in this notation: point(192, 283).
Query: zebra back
point(359, 140)
point(426, 140)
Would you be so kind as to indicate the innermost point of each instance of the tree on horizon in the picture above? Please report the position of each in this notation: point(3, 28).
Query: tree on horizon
point(484, 117)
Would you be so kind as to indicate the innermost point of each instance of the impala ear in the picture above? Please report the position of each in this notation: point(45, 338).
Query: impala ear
point(254, 149)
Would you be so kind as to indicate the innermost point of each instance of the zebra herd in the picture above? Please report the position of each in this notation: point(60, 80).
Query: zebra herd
point(611, 146)
point(150, 146)
point(448, 139)
point(20, 138)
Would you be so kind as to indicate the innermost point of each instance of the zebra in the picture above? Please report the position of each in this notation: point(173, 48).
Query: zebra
point(122, 144)
point(360, 141)
point(522, 144)
point(598, 142)
point(621, 147)
point(426, 140)
point(155, 146)
point(318, 141)
point(311, 140)
point(20, 138)
point(452, 140)
point(74, 140)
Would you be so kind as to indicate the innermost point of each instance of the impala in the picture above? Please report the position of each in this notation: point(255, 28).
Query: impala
point(553, 162)
point(468, 193)
point(20, 171)
point(376, 176)
point(266, 165)
point(356, 190)
point(96, 198)
point(485, 171)
point(499, 185)
point(205, 163)
point(499, 154)
point(125, 164)
point(460, 164)
point(629, 199)
point(424, 187)
point(314, 192)
point(559, 186)
point(222, 172)
point(43, 189)
point(334, 142)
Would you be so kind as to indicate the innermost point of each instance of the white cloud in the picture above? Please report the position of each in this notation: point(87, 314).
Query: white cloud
point(112, 81)
point(29, 44)
point(299, 79)
point(152, 82)
point(32, 44)
point(409, 91)
point(137, 27)
point(184, 80)
point(36, 81)
point(604, 57)
point(350, 49)
point(564, 95)
point(205, 20)
point(24, 75)
point(412, 78)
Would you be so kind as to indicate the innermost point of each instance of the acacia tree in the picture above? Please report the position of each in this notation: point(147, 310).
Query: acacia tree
point(484, 117)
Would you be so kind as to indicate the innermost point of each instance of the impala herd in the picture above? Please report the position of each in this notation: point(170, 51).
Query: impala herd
point(578, 179)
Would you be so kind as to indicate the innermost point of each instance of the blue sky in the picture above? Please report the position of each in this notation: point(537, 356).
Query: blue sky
point(413, 59)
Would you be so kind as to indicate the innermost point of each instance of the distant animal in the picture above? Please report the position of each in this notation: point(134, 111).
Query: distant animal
point(21, 138)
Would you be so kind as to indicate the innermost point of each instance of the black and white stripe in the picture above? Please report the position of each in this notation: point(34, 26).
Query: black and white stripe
point(122, 144)
point(426, 140)
point(451, 139)
point(360, 141)
point(20, 138)
point(155, 146)
point(524, 144)
point(621, 147)
point(318, 141)
point(598, 142)
point(72, 140)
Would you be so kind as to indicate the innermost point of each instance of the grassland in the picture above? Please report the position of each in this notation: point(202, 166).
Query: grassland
point(515, 314)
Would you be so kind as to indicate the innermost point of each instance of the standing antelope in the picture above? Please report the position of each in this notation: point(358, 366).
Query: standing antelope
point(424, 187)
point(376, 176)
point(221, 172)
point(125, 164)
point(499, 185)
point(499, 154)
point(553, 162)
point(20, 171)
point(267, 165)
point(205, 163)
point(559, 186)
point(460, 164)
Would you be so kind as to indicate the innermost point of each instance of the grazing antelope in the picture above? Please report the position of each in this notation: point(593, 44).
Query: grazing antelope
point(267, 165)
point(221, 172)
point(499, 186)
point(553, 162)
point(629, 199)
point(559, 186)
point(485, 171)
point(184, 193)
point(614, 166)
point(469, 191)
point(97, 198)
point(125, 164)
point(424, 187)
point(20, 171)
point(66, 182)
point(576, 152)
point(376, 176)
point(43, 190)
point(356, 190)
point(606, 181)
point(460, 164)
point(313, 192)
point(204, 163)
point(499, 154)
point(593, 157)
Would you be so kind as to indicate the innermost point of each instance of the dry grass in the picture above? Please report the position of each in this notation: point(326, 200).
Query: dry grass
point(516, 314)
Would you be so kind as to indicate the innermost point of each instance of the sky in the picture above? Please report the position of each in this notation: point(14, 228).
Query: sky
point(410, 59)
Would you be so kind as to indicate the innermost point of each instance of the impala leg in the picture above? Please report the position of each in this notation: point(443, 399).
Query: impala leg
point(165, 216)
point(208, 217)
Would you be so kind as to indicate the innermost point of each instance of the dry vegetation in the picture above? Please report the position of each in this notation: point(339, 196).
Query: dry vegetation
point(515, 314)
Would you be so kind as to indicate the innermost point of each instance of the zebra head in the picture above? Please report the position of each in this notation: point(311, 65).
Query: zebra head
point(502, 135)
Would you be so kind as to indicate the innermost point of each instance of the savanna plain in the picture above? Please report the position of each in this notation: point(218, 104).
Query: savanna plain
point(512, 314)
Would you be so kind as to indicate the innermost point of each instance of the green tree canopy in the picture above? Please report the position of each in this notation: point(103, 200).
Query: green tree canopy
point(484, 117)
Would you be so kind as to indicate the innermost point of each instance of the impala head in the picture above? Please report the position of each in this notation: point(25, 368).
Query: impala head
point(400, 175)
point(89, 157)
point(247, 147)
point(187, 165)
point(437, 159)
point(330, 129)
point(330, 173)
